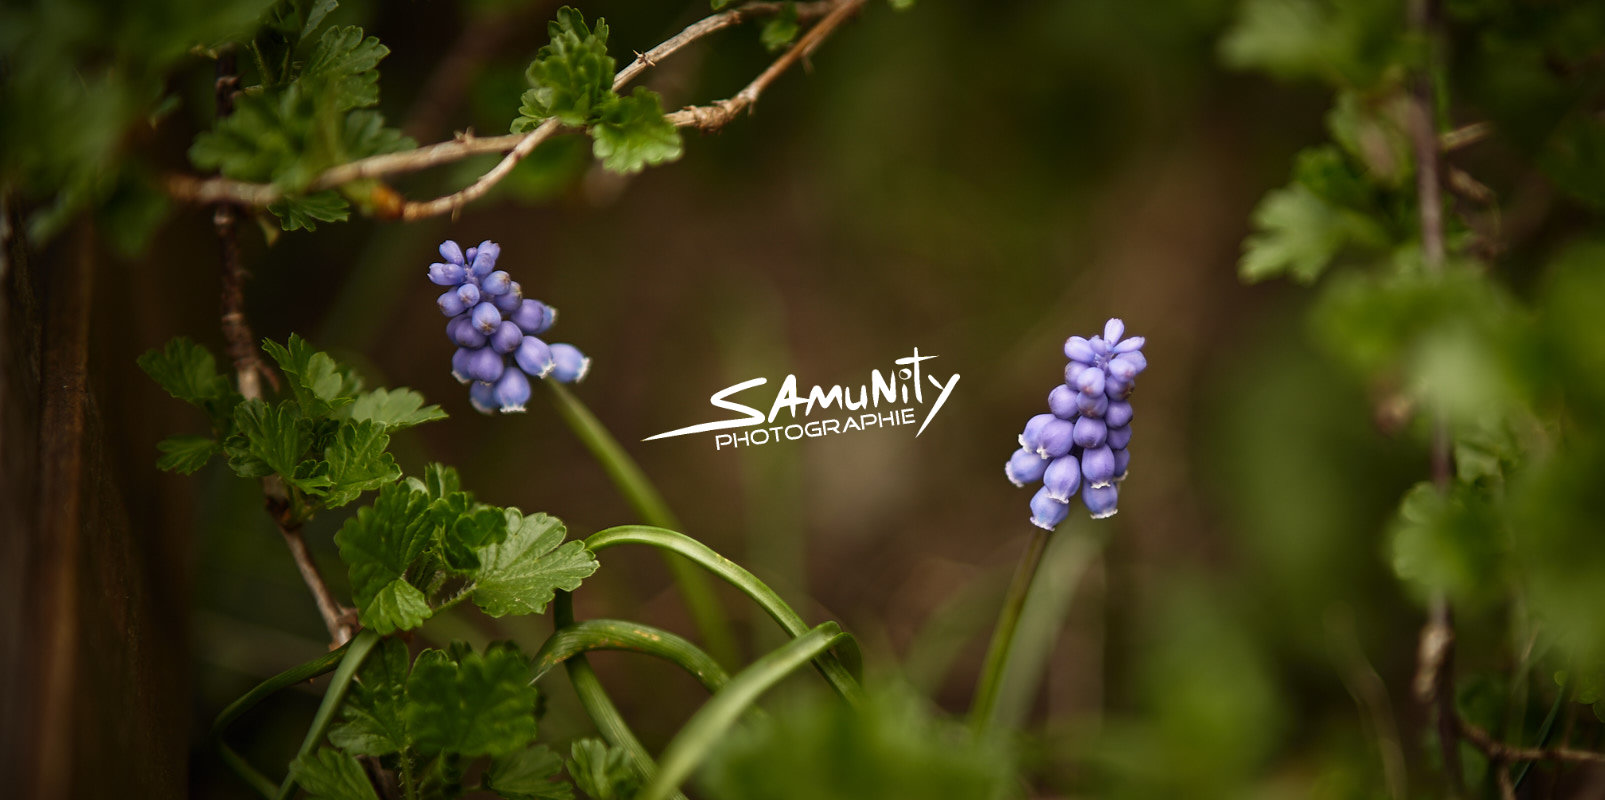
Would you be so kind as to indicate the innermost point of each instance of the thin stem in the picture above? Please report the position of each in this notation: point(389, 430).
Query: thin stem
point(706, 727)
point(334, 615)
point(360, 647)
point(836, 672)
point(997, 654)
point(249, 700)
point(642, 496)
point(598, 706)
point(1435, 671)
point(612, 634)
point(714, 117)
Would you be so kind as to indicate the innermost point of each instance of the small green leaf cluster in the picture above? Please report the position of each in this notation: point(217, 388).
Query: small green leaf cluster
point(439, 718)
point(312, 110)
point(326, 441)
point(572, 82)
point(426, 544)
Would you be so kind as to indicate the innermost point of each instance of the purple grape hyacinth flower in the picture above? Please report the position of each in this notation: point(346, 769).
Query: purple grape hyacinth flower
point(1080, 445)
point(493, 327)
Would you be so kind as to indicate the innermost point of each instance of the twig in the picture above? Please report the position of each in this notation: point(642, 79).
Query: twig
point(714, 117)
point(1496, 749)
point(517, 146)
point(1465, 136)
point(248, 369)
point(1434, 685)
point(1370, 693)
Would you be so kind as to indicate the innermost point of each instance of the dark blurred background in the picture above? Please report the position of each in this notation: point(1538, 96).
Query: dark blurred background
point(976, 179)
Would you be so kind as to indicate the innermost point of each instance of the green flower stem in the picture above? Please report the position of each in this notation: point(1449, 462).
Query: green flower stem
point(829, 664)
point(247, 701)
point(598, 706)
point(612, 634)
point(644, 498)
point(691, 745)
point(997, 654)
point(356, 652)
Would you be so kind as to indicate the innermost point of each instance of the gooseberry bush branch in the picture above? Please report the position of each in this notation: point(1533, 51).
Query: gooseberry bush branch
point(516, 146)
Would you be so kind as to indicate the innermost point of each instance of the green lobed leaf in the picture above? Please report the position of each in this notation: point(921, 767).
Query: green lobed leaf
point(633, 133)
point(398, 605)
point(343, 68)
point(1298, 234)
point(602, 772)
point(304, 212)
point(527, 775)
point(186, 454)
point(1352, 42)
point(521, 574)
point(572, 75)
point(332, 775)
point(379, 544)
point(478, 705)
point(320, 385)
point(267, 440)
point(358, 462)
point(189, 372)
point(395, 409)
point(781, 29)
point(1448, 542)
point(373, 723)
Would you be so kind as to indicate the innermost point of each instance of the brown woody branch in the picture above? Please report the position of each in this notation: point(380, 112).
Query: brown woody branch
point(249, 369)
point(516, 146)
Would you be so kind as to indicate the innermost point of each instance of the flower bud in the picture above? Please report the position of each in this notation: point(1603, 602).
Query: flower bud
point(1024, 467)
point(1131, 345)
point(482, 396)
point(1062, 402)
point(1072, 371)
point(1122, 461)
point(1062, 478)
point(497, 283)
point(1057, 437)
point(469, 294)
point(1090, 432)
point(510, 301)
point(459, 363)
point(507, 338)
point(1117, 388)
point(1113, 330)
point(450, 303)
point(1031, 437)
point(534, 357)
point(462, 333)
point(1101, 501)
point(485, 364)
point(570, 365)
point(1132, 363)
point(486, 318)
point(1098, 466)
point(1099, 346)
point(485, 257)
point(1092, 405)
point(534, 317)
point(446, 274)
point(1090, 382)
point(512, 391)
point(1077, 349)
point(1119, 414)
point(1046, 512)
point(452, 253)
point(1119, 438)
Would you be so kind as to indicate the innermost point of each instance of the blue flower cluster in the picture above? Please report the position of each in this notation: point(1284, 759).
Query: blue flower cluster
point(1081, 443)
point(492, 322)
